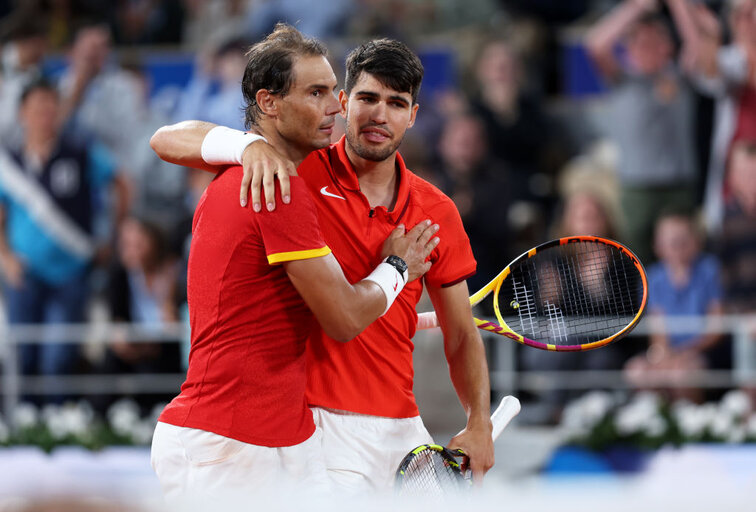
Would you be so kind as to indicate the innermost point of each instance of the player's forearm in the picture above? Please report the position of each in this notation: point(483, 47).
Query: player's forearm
point(469, 374)
point(181, 144)
point(343, 310)
point(354, 308)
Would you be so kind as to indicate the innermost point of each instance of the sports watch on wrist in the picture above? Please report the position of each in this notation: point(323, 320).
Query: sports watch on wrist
point(399, 264)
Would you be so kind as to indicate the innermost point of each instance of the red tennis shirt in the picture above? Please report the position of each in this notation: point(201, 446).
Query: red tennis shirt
point(246, 377)
point(373, 373)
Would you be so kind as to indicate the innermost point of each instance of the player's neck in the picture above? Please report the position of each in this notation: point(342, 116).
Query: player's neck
point(378, 180)
point(291, 151)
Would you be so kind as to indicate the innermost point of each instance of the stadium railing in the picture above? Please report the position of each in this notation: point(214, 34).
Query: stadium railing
point(506, 377)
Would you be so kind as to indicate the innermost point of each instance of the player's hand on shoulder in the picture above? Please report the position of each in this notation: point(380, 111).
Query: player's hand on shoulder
point(262, 163)
point(475, 440)
point(413, 246)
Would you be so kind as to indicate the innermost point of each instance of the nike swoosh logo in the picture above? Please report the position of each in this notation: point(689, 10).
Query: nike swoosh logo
point(326, 193)
point(396, 283)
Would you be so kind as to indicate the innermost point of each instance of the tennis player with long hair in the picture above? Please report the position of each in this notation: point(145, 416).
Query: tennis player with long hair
point(256, 283)
point(361, 392)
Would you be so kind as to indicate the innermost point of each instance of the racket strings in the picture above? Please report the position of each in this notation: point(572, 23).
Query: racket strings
point(429, 472)
point(570, 294)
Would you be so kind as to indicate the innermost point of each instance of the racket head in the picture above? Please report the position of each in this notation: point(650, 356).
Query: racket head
point(430, 469)
point(569, 294)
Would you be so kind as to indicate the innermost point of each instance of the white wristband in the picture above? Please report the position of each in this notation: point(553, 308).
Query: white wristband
point(388, 278)
point(224, 145)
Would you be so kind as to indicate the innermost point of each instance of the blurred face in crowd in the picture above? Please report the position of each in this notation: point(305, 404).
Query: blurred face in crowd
point(463, 143)
point(136, 248)
point(742, 175)
point(649, 47)
point(305, 115)
point(39, 113)
point(676, 242)
point(31, 50)
point(377, 117)
point(584, 215)
point(498, 65)
point(231, 66)
point(91, 48)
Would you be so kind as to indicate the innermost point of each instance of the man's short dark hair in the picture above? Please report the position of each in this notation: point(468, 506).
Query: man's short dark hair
point(390, 62)
point(22, 25)
point(651, 20)
point(35, 85)
point(270, 66)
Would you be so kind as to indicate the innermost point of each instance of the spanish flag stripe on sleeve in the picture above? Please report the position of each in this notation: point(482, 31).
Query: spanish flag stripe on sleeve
point(281, 257)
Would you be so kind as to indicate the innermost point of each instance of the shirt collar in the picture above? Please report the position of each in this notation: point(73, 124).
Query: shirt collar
point(347, 178)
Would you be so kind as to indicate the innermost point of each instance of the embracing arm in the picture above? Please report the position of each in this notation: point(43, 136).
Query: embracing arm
point(181, 144)
point(345, 310)
point(466, 357)
point(342, 310)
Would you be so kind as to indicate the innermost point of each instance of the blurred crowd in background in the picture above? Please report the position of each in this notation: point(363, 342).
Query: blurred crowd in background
point(634, 120)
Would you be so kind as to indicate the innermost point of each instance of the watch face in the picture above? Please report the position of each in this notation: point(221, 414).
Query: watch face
point(398, 263)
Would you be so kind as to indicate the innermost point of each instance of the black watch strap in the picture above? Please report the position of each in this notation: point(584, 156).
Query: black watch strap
point(400, 265)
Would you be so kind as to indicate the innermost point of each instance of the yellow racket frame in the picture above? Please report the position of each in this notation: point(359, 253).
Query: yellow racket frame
point(504, 330)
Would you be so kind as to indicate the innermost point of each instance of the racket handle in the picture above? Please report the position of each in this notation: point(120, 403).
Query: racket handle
point(508, 408)
point(427, 320)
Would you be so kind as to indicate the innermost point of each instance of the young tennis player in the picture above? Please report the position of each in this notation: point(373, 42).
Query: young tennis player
point(255, 280)
point(361, 392)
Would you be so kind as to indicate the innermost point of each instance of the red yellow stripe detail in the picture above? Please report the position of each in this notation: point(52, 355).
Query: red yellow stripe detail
point(281, 257)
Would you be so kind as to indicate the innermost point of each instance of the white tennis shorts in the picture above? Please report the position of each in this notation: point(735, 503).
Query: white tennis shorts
point(194, 465)
point(362, 452)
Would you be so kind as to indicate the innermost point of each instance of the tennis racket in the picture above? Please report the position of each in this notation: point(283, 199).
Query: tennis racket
point(433, 468)
point(570, 294)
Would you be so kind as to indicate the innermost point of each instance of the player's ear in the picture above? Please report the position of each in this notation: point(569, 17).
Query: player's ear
point(343, 100)
point(267, 102)
point(413, 115)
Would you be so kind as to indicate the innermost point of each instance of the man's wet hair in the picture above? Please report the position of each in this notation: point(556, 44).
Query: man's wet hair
point(270, 66)
point(391, 62)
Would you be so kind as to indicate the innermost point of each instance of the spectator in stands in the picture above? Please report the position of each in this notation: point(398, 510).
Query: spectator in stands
point(180, 243)
point(684, 283)
point(651, 116)
point(49, 192)
point(101, 101)
point(157, 190)
point(214, 94)
point(23, 49)
point(519, 133)
point(737, 243)
point(321, 20)
point(149, 22)
point(583, 213)
point(212, 20)
point(142, 291)
point(479, 186)
point(726, 73)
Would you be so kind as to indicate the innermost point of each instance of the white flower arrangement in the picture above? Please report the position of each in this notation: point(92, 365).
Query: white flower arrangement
point(77, 424)
point(601, 420)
